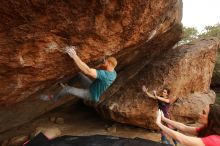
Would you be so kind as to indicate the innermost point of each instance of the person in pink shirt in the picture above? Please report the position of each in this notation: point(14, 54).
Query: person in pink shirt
point(206, 135)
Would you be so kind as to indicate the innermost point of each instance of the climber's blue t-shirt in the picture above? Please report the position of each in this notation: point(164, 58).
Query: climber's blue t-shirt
point(103, 80)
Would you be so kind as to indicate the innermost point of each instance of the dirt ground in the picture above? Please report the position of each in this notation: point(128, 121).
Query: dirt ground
point(80, 120)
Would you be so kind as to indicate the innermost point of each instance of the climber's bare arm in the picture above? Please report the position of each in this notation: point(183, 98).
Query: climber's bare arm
point(145, 90)
point(183, 139)
point(150, 95)
point(180, 126)
point(82, 66)
point(162, 99)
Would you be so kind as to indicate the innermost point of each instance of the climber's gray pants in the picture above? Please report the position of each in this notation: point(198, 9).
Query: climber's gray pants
point(81, 93)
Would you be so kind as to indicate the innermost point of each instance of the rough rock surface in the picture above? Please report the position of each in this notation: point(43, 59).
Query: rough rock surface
point(34, 32)
point(186, 70)
point(216, 73)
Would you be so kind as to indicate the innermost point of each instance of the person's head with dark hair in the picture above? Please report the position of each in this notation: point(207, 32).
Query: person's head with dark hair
point(165, 92)
point(210, 118)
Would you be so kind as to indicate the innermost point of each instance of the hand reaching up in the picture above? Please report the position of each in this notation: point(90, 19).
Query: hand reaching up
point(71, 51)
point(144, 89)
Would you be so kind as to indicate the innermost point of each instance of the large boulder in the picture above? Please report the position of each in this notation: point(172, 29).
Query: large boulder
point(186, 70)
point(33, 34)
point(216, 73)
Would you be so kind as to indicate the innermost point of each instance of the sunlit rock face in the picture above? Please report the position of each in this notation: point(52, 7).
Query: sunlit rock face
point(33, 34)
point(186, 70)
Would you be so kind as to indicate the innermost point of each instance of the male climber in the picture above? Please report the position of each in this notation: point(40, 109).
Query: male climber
point(93, 89)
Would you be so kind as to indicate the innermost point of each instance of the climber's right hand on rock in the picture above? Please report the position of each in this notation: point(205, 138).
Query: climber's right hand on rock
point(71, 51)
point(73, 47)
point(69, 48)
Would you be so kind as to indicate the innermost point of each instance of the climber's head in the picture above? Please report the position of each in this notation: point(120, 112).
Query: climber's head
point(110, 63)
point(203, 116)
point(209, 118)
point(165, 92)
